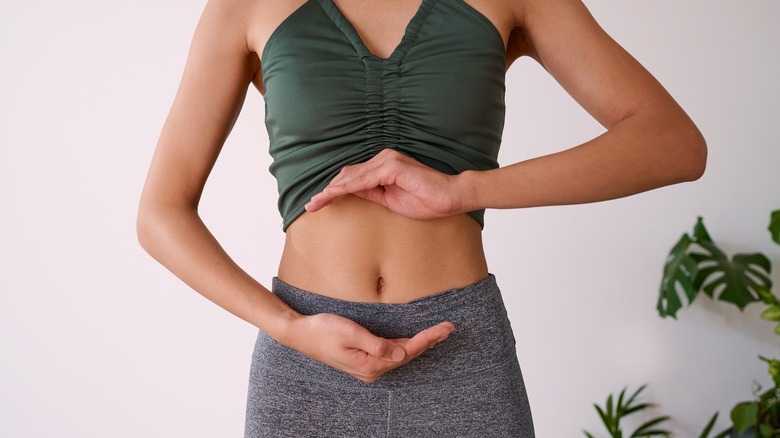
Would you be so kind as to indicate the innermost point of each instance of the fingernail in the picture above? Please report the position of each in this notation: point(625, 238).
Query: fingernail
point(398, 354)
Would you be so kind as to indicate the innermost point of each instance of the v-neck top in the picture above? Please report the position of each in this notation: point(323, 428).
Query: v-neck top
point(330, 102)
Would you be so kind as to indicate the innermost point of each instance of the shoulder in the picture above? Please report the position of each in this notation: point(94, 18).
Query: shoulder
point(226, 20)
point(537, 21)
point(526, 11)
point(236, 12)
point(248, 19)
point(234, 8)
point(262, 17)
point(243, 26)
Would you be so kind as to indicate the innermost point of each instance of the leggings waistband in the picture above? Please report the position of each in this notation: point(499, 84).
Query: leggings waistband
point(482, 338)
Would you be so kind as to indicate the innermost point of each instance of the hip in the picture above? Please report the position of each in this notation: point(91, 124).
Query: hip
point(469, 385)
point(482, 339)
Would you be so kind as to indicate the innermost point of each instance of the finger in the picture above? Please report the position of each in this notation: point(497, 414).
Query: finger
point(377, 195)
point(363, 180)
point(427, 338)
point(377, 347)
point(353, 170)
point(368, 184)
point(328, 195)
point(321, 200)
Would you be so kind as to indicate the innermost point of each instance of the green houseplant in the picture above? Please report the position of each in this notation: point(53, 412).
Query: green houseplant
point(611, 415)
point(696, 264)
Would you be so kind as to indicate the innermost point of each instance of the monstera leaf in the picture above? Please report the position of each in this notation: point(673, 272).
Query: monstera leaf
point(680, 268)
point(774, 226)
point(734, 281)
point(696, 263)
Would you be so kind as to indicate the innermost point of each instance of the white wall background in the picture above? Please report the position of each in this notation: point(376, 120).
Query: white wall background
point(97, 340)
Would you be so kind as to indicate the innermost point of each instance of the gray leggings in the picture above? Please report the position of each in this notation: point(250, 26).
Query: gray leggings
point(470, 385)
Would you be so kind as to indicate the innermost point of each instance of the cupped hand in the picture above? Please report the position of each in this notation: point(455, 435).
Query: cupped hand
point(398, 182)
point(347, 346)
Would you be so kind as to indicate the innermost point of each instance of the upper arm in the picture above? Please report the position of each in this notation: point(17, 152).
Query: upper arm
point(607, 81)
point(218, 72)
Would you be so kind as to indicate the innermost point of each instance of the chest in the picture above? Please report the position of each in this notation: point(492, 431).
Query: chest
point(379, 27)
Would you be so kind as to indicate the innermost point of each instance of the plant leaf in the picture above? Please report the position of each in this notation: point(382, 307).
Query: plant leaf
point(700, 233)
point(645, 428)
point(733, 279)
point(659, 432)
point(774, 226)
point(744, 416)
point(767, 296)
point(771, 313)
point(604, 419)
point(616, 408)
point(635, 408)
point(621, 408)
point(774, 368)
point(636, 393)
point(725, 433)
point(709, 426)
point(680, 268)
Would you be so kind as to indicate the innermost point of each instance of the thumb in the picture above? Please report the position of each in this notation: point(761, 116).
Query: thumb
point(380, 347)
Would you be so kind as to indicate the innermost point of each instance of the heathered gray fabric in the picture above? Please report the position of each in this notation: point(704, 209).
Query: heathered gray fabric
point(470, 385)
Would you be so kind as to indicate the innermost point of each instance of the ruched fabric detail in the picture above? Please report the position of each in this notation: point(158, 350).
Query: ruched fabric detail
point(330, 102)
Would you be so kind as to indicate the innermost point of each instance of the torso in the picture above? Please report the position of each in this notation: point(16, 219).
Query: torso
point(356, 250)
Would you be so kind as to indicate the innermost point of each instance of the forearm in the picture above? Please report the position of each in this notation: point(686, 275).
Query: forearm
point(177, 238)
point(636, 155)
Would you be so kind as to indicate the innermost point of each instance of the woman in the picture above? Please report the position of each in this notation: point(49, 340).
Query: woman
point(384, 121)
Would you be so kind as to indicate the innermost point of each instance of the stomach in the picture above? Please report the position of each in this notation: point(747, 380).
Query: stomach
point(357, 250)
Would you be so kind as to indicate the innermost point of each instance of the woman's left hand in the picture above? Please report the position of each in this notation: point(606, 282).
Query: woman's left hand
point(397, 182)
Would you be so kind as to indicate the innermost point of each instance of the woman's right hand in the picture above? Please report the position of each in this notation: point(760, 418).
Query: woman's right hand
point(347, 346)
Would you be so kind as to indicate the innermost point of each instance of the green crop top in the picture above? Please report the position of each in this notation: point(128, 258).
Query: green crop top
point(330, 102)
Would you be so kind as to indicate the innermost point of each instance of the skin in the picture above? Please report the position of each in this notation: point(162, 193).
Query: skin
point(397, 229)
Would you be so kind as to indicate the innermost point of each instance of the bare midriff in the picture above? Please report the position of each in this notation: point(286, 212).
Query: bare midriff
point(357, 250)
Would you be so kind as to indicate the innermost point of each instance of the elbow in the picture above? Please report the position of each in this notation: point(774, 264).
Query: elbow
point(148, 225)
point(694, 148)
point(157, 220)
point(684, 153)
point(143, 226)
